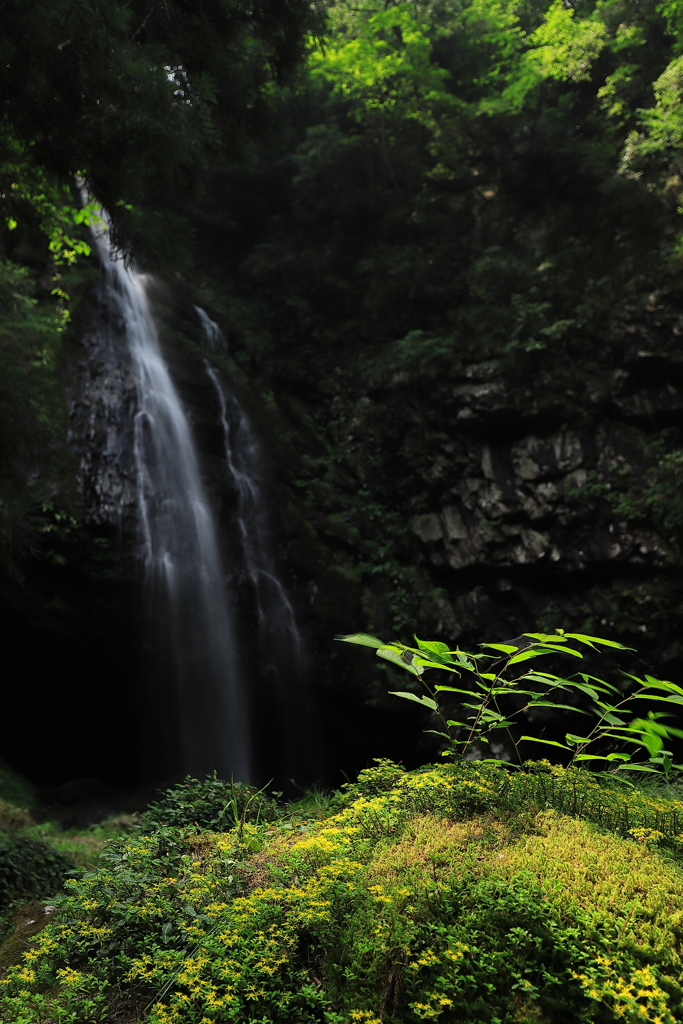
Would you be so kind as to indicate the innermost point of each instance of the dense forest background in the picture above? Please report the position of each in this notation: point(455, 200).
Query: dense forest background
point(444, 244)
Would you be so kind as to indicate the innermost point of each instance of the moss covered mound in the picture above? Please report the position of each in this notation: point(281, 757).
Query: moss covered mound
point(439, 894)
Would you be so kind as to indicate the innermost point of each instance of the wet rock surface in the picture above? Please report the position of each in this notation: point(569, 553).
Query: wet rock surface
point(501, 478)
point(102, 413)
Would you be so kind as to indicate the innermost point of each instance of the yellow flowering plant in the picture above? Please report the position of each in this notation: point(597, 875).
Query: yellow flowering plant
point(498, 690)
point(446, 893)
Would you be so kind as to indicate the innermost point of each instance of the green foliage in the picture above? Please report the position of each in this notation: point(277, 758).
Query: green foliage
point(15, 789)
point(134, 98)
point(32, 406)
point(495, 697)
point(29, 867)
point(651, 498)
point(447, 184)
point(380, 57)
point(432, 894)
point(212, 804)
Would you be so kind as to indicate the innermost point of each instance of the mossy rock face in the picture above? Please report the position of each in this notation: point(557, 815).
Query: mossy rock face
point(431, 895)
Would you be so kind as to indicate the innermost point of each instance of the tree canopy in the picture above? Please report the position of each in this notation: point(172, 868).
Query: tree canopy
point(134, 96)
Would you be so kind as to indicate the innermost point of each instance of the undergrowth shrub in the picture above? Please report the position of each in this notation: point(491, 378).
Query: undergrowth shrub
point(15, 789)
point(455, 892)
point(12, 818)
point(211, 803)
point(29, 867)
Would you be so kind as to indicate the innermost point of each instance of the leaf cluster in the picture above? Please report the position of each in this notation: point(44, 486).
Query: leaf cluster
point(211, 803)
point(626, 721)
point(29, 867)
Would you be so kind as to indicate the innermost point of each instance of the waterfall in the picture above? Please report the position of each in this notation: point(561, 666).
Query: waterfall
point(277, 624)
point(199, 703)
point(288, 724)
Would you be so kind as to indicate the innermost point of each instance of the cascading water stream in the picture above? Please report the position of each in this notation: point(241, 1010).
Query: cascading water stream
point(287, 719)
point(199, 703)
point(277, 623)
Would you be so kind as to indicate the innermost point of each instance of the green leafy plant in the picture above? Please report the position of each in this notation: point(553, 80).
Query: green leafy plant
point(29, 867)
point(211, 803)
point(456, 892)
point(498, 696)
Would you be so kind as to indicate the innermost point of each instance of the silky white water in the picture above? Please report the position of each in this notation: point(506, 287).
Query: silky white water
point(198, 689)
point(278, 631)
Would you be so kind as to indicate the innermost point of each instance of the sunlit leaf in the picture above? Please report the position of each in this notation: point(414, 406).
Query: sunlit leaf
point(399, 657)
point(452, 689)
point(552, 704)
point(525, 656)
point(426, 663)
point(438, 651)
point(425, 701)
point(364, 639)
point(592, 640)
point(545, 637)
point(554, 649)
point(663, 684)
point(549, 743)
point(591, 757)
